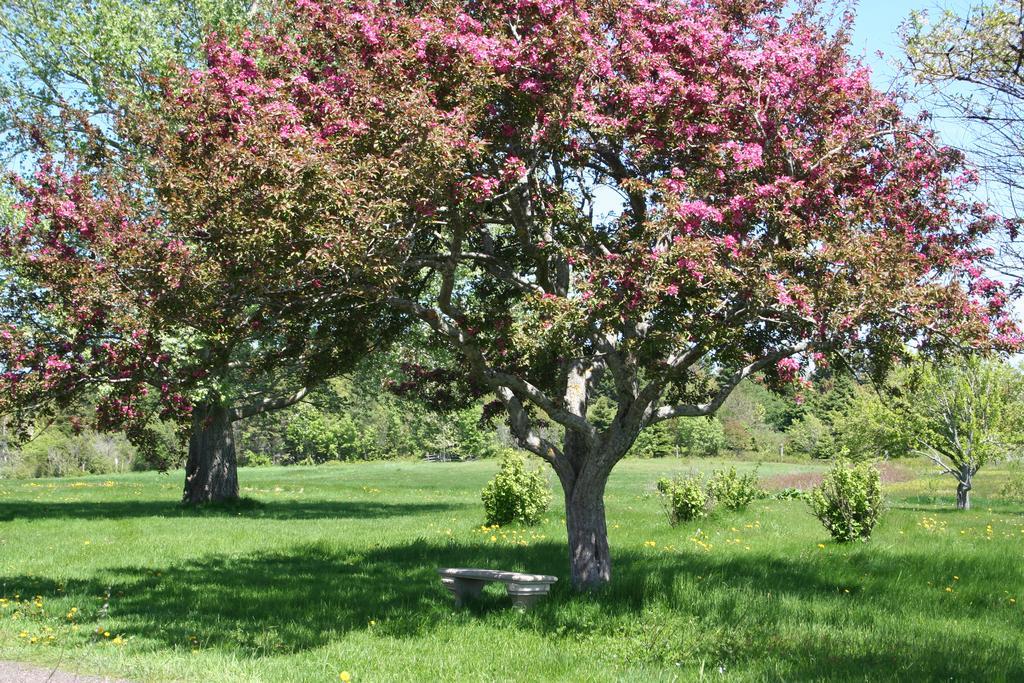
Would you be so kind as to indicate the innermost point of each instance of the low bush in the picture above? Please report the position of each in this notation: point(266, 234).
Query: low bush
point(732, 490)
point(789, 493)
point(1013, 486)
point(692, 497)
point(849, 501)
point(255, 459)
point(685, 498)
point(516, 493)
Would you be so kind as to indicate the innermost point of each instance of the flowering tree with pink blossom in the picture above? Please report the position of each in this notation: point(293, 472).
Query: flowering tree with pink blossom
point(661, 197)
point(668, 197)
point(214, 269)
point(769, 209)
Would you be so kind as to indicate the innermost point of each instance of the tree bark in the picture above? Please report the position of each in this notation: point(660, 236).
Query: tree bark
point(583, 483)
point(211, 474)
point(590, 559)
point(963, 488)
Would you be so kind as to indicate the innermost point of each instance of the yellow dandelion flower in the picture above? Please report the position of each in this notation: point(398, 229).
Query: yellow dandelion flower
point(345, 676)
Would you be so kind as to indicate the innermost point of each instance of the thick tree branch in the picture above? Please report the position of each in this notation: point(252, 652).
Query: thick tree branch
point(522, 428)
point(709, 408)
point(268, 405)
point(492, 377)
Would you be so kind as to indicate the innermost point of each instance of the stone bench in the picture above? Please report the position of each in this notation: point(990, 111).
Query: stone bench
point(524, 589)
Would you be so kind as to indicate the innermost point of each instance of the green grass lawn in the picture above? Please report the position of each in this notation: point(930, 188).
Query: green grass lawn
point(332, 569)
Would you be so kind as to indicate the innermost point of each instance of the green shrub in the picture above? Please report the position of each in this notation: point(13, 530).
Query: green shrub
point(790, 493)
point(314, 436)
point(732, 490)
point(657, 441)
point(255, 459)
point(849, 501)
point(57, 452)
point(685, 498)
point(1013, 486)
point(694, 497)
point(700, 437)
point(516, 493)
point(812, 437)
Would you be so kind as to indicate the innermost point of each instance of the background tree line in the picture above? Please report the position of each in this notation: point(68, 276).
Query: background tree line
point(357, 417)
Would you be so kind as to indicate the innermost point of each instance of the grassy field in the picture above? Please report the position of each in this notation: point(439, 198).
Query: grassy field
point(332, 569)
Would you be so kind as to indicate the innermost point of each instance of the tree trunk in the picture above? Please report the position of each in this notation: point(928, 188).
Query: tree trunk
point(583, 483)
point(589, 557)
point(211, 474)
point(963, 488)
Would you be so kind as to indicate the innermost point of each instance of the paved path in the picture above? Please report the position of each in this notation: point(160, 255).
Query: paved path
point(13, 672)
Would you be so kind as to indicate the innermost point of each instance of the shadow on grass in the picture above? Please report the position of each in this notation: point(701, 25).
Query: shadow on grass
point(737, 610)
point(246, 507)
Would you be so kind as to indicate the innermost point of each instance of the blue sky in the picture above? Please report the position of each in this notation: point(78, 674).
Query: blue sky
point(877, 21)
point(876, 27)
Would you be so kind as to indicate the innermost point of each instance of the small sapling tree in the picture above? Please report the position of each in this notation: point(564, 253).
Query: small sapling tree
point(963, 414)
